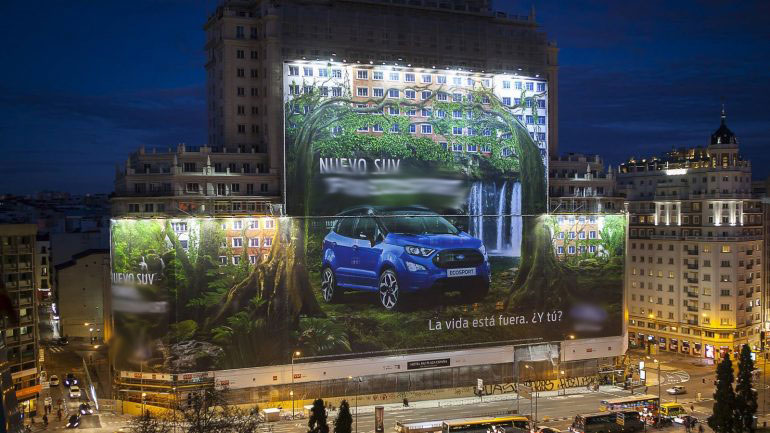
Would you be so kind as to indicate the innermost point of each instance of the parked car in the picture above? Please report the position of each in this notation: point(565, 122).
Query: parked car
point(74, 391)
point(54, 380)
point(676, 390)
point(392, 251)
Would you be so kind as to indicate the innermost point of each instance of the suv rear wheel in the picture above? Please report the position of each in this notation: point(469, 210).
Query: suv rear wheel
point(329, 289)
point(388, 289)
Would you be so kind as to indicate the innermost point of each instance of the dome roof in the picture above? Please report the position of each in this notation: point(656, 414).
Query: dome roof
point(723, 135)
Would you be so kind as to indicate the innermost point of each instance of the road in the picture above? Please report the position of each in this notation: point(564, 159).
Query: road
point(553, 410)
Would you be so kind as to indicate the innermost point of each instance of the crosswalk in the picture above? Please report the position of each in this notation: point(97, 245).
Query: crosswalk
point(56, 349)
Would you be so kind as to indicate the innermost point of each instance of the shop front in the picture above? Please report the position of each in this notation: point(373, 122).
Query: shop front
point(685, 347)
point(662, 343)
point(673, 345)
point(27, 399)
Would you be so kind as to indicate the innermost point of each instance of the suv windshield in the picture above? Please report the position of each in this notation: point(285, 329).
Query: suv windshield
point(417, 223)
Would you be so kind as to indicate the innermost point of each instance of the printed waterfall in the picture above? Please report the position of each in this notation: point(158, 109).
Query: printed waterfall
point(494, 210)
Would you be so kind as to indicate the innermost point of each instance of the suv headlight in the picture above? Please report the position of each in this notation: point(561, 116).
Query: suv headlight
point(419, 251)
point(414, 267)
point(483, 250)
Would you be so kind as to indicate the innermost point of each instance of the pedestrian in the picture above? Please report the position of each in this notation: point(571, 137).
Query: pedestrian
point(58, 414)
point(692, 408)
point(45, 420)
point(700, 428)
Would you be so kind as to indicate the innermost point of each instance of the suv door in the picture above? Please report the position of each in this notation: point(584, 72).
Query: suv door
point(341, 245)
point(366, 257)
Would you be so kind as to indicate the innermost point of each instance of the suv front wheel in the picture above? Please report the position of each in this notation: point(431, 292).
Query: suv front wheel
point(329, 289)
point(388, 289)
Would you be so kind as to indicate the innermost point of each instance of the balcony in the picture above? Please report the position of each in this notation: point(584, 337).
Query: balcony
point(692, 252)
point(749, 267)
point(692, 295)
point(692, 309)
point(692, 322)
point(693, 266)
point(692, 280)
point(749, 309)
point(749, 280)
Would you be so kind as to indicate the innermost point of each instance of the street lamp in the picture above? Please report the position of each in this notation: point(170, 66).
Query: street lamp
point(358, 391)
point(291, 391)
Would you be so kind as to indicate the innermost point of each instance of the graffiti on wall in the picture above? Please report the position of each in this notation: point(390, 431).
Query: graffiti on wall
point(541, 385)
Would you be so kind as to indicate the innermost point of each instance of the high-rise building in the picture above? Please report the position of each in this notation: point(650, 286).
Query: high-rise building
point(693, 265)
point(247, 42)
point(581, 183)
point(18, 278)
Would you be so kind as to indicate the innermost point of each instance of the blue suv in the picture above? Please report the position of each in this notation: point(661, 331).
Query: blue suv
point(393, 251)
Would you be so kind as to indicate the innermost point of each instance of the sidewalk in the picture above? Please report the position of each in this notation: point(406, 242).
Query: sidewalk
point(425, 404)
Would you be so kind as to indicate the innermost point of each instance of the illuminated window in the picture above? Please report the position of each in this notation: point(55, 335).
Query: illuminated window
point(725, 248)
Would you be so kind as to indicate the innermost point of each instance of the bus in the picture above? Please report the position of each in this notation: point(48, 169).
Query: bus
point(419, 427)
point(607, 422)
point(507, 424)
point(635, 402)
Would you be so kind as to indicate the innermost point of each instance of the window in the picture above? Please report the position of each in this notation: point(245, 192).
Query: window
point(724, 307)
point(457, 147)
point(456, 130)
point(410, 94)
point(441, 79)
point(530, 86)
point(392, 93)
point(336, 73)
point(506, 84)
point(426, 78)
point(441, 96)
point(362, 75)
point(412, 128)
point(378, 92)
point(393, 76)
point(239, 32)
point(239, 54)
point(541, 88)
point(725, 248)
point(506, 100)
point(457, 97)
point(425, 112)
point(323, 72)
point(530, 120)
point(472, 147)
point(362, 91)
point(409, 77)
point(237, 242)
point(377, 75)
point(307, 71)
point(253, 260)
point(517, 85)
point(254, 242)
point(293, 70)
point(425, 94)
point(426, 128)
point(457, 114)
point(254, 55)
point(267, 242)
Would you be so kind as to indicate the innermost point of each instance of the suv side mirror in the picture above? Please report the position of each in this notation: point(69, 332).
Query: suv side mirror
point(462, 227)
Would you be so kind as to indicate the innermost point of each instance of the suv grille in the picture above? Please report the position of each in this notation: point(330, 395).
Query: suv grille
point(458, 258)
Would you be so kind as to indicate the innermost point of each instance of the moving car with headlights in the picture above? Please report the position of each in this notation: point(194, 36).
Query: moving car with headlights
point(74, 391)
point(54, 380)
point(70, 380)
point(73, 422)
point(676, 390)
point(396, 250)
point(85, 409)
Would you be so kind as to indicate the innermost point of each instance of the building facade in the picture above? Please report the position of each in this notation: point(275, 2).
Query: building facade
point(581, 183)
point(694, 259)
point(18, 277)
point(83, 284)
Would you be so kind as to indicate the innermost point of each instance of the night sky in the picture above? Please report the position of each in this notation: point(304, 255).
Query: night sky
point(84, 83)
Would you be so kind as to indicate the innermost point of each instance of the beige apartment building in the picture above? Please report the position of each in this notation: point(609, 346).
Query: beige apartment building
point(580, 183)
point(695, 249)
point(19, 278)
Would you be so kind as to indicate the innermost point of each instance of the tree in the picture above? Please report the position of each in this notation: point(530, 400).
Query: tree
point(344, 421)
point(204, 412)
point(745, 396)
point(149, 423)
point(317, 422)
point(722, 418)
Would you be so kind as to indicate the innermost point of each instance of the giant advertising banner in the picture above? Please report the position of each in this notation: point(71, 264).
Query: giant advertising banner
point(198, 294)
point(416, 221)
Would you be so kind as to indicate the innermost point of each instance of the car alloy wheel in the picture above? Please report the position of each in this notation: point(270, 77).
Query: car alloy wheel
point(388, 289)
point(328, 285)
